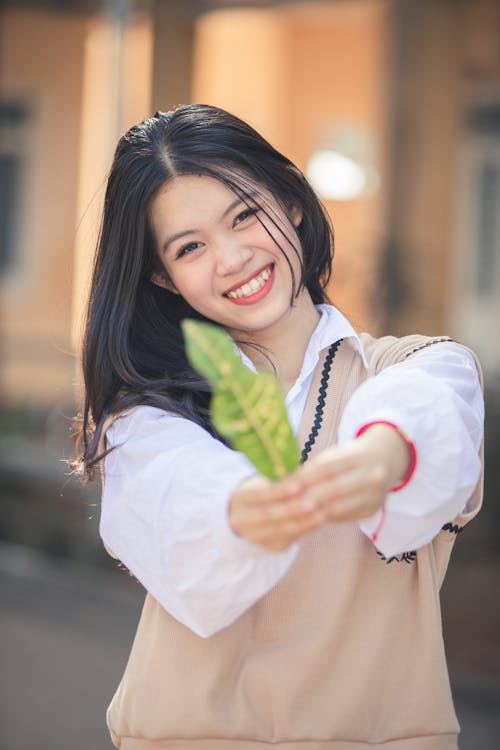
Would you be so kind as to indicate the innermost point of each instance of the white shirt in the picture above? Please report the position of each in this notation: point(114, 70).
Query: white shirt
point(168, 482)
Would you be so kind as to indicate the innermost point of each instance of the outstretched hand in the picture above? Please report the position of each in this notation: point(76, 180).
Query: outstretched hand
point(273, 514)
point(343, 483)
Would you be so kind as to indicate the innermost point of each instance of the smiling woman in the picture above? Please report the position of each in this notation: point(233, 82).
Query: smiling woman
point(259, 592)
point(232, 258)
point(175, 174)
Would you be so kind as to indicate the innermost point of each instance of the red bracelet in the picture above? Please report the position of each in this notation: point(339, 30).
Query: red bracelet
point(378, 529)
point(409, 443)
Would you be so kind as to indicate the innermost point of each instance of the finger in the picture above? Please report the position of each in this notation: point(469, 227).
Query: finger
point(271, 517)
point(354, 505)
point(356, 480)
point(355, 508)
point(260, 490)
point(276, 532)
point(326, 465)
point(288, 531)
point(356, 494)
point(290, 509)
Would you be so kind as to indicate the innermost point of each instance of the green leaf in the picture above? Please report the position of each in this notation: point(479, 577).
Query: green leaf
point(247, 408)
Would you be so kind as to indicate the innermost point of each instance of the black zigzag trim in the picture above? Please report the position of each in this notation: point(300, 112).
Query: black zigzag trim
point(406, 557)
point(320, 406)
point(453, 528)
point(429, 343)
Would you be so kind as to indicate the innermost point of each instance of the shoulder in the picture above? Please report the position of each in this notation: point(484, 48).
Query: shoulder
point(151, 428)
point(138, 420)
point(389, 350)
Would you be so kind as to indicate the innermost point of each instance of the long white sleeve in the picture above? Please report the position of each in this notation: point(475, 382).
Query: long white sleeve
point(164, 515)
point(436, 399)
point(168, 482)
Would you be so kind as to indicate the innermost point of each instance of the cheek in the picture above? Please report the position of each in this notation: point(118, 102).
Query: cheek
point(281, 240)
point(189, 282)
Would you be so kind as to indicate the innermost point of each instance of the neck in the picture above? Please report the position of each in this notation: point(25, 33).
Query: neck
point(284, 344)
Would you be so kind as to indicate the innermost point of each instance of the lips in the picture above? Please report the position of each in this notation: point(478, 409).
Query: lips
point(253, 288)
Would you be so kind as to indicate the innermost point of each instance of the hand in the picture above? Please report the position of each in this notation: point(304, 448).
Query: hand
point(351, 481)
point(273, 514)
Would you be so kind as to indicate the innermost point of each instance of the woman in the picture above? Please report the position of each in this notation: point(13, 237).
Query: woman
point(302, 613)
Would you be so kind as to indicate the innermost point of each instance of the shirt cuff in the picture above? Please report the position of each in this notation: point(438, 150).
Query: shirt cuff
point(448, 466)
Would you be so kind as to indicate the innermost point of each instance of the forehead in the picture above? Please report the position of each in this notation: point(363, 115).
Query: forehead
point(188, 195)
point(186, 200)
point(190, 188)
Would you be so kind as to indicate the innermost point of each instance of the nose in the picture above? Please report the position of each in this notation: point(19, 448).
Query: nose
point(231, 257)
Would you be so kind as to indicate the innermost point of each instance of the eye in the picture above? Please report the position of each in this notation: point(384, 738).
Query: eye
point(189, 248)
point(246, 214)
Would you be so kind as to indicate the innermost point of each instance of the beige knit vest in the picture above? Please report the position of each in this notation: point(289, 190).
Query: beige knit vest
point(344, 653)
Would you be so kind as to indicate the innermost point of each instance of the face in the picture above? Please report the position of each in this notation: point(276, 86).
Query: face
point(218, 253)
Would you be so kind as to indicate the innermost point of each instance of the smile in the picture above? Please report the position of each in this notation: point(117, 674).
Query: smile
point(253, 289)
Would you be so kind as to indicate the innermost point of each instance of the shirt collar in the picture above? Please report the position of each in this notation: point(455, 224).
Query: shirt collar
point(332, 326)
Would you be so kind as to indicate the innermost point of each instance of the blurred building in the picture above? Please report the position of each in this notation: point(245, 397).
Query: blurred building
point(397, 101)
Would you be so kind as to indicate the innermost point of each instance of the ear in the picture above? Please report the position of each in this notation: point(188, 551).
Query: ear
point(162, 279)
point(296, 215)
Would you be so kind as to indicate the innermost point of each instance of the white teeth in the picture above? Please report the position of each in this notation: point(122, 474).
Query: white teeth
point(252, 286)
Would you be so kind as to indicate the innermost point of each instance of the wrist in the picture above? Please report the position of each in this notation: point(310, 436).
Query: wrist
point(398, 451)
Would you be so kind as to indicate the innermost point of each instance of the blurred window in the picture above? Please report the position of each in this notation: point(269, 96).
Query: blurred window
point(484, 125)
point(476, 309)
point(10, 178)
point(14, 117)
point(488, 229)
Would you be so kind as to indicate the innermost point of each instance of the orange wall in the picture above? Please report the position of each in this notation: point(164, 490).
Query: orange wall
point(340, 76)
point(116, 94)
point(42, 65)
point(292, 72)
point(86, 82)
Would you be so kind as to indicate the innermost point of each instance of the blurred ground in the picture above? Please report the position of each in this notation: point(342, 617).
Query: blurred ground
point(66, 630)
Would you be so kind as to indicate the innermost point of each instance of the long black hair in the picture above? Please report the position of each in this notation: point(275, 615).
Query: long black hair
point(133, 351)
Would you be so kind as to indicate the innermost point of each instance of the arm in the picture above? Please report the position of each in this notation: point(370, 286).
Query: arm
point(435, 399)
point(164, 515)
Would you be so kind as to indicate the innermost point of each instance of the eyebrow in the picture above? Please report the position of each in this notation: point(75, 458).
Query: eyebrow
point(178, 235)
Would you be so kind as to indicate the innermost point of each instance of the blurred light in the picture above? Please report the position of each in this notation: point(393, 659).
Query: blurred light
point(335, 176)
point(341, 169)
